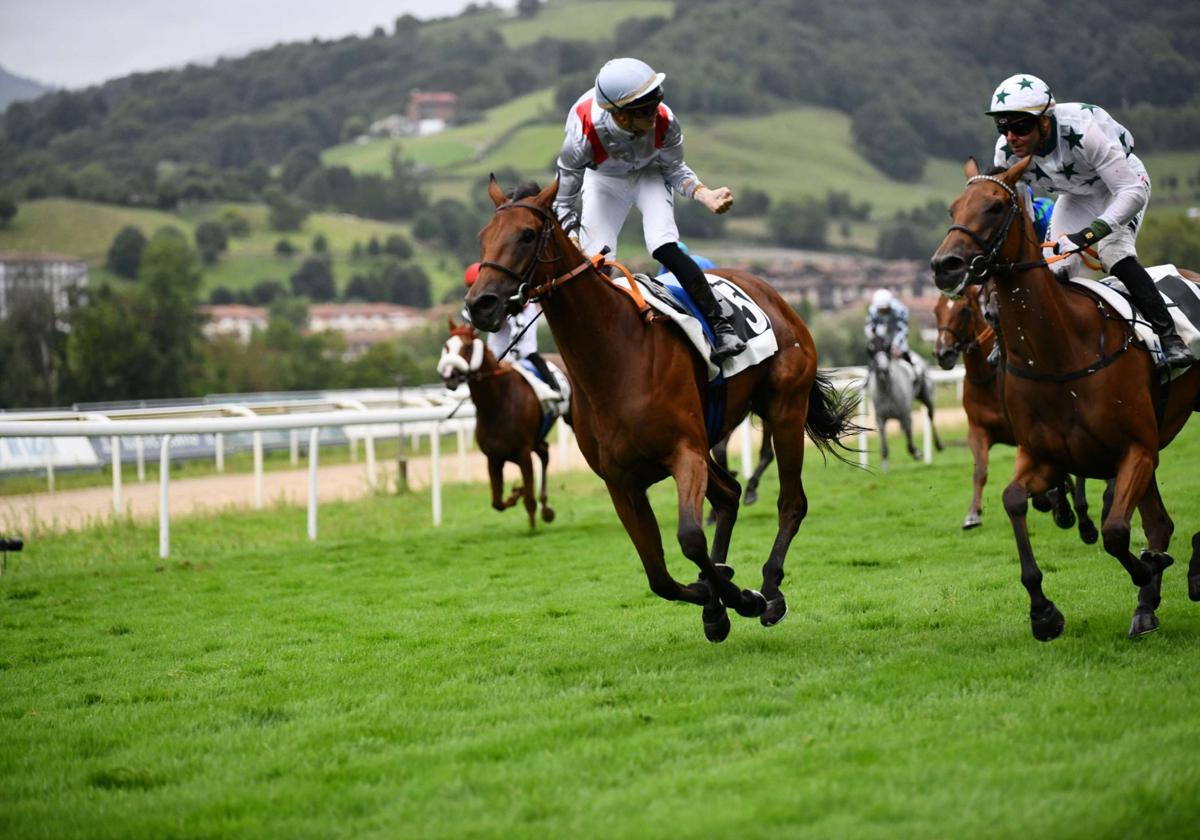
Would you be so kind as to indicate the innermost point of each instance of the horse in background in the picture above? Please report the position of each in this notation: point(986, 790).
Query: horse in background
point(510, 421)
point(1081, 396)
point(640, 395)
point(893, 384)
point(962, 330)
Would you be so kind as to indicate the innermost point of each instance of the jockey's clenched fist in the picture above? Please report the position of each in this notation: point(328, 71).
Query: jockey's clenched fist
point(718, 200)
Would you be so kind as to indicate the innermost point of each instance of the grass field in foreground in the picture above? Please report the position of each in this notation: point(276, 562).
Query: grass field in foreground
point(477, 681)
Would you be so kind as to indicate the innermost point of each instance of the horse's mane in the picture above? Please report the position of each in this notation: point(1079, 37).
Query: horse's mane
point(525, 190)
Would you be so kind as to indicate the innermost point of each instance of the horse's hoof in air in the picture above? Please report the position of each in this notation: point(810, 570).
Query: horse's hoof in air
point(1043, 502)
point(777, 611)
point(751, 496)
point(1047, 625)
point(973, 520)
point(1156, 561)
point(1064, 519)
point(753, 604)
point(1088, 532)
point(1143, 623)
point(726, 570)
point(547, 513)
point(716, 624)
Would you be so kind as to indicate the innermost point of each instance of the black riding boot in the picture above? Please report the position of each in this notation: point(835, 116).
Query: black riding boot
point(715, 312)
point(1150, 303)
point(543, 370)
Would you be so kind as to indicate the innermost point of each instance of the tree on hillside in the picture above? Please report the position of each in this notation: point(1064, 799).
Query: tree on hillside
point(170, 278)
point(398, 246)
point(8, 209)
point(212, 240)
point(33, 348)
point(887, 140)
point(528, 8)
point(110, 352)
point(286, 213)
point(314, 281)
point(798, 224)
point(125, 252)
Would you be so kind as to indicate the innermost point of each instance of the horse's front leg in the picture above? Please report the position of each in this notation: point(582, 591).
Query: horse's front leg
point(1157, 524)
point(635, 513)
point(1134, 475)
point(1044, 618)
point(690, 471)
point(979, 442)
point(543, 452)
point(927, 398)
point(1087, 528)
point(496, 478)
point(881, 425)
point(906, 424)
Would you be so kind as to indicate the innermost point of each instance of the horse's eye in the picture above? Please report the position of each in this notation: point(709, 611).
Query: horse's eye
point(995, 208)
point(528, 235)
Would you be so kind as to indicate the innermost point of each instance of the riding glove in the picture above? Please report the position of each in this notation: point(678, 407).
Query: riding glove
point(1072, 242)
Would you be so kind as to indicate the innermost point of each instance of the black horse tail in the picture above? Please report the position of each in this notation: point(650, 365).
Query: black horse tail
point(830, 417)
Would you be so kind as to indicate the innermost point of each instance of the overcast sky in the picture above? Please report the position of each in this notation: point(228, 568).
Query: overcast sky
point(75, 43)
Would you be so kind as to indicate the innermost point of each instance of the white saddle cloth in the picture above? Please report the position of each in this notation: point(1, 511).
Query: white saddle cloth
point(556, 403)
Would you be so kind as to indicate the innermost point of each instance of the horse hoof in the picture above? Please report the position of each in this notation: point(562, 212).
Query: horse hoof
point(1194, 586)
point(776, 612)
point(1065, 520)
point(1143, 623)
point(548, 513)
point(1088, 532)
point(751, 496)
point(973, 520)
point(726, 570)
point(716, 625)
point(1048, 625)
point(753, 604)
point(1156, 561)
point(1042, 502)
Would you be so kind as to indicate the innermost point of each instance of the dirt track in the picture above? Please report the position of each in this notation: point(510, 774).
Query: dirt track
point(75, 509)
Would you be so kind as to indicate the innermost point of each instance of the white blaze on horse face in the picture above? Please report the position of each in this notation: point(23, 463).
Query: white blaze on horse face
point(476, 354)
point(452, 360)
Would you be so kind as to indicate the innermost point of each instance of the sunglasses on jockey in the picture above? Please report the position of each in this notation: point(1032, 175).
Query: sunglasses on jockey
point(642, 108)
point(1020, 126)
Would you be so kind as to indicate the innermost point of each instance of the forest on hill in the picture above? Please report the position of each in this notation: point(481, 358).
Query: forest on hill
point(914, 76)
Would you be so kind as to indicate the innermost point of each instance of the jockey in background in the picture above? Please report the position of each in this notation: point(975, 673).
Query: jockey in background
point(888, 317)
point(526, 347)
point(622, 147)
point(1086, 157)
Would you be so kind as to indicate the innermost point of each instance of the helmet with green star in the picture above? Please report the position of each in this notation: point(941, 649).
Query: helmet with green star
point(1021, 94)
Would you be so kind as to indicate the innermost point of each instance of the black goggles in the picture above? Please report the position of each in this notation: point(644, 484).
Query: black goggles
point(647, 106)
point(1020, 126)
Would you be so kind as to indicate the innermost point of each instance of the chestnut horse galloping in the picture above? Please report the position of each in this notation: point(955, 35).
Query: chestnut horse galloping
point(508, 417)
point(639, 406)
point(962, 329)
point(1081, 397)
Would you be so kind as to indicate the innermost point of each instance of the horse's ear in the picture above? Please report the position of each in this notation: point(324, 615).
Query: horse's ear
point(546, 197)
point(494, 192)
point(971, 168)
point(1016, 171)
point(450, 323)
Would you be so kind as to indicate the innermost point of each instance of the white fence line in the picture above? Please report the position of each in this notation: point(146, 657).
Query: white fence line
point(432, 419)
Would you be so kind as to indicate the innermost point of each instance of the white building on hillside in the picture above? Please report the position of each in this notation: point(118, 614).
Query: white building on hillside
point(53, 273)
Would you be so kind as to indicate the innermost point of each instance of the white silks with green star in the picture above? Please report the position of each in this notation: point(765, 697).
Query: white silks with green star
point(1022, 93)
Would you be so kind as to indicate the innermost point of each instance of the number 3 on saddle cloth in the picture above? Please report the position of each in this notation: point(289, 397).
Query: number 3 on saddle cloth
point(667, 296)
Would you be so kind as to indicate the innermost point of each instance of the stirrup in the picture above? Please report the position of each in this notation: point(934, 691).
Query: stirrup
point(1175, 352)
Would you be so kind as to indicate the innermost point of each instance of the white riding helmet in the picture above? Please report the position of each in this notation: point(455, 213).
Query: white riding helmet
point(881, 299)
point(1022, 93)
point(625, 80)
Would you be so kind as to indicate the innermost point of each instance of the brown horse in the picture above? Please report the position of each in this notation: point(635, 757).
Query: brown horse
point(639, 402)
point(508, 417)
point(962, 330)
point(1081, 396)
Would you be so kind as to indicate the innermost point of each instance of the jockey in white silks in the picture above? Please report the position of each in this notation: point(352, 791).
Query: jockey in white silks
point(623, 147)
point(888, 317)
point(1085, 157)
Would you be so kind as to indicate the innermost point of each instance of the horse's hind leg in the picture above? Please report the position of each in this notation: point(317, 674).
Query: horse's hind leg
point(543, 452)
point(787, 424)
point(1194, 569)
point(1044, 618)
point(1087, 528)
point(927, 398)
point(1157, 524)
point(979, 444)
point(905, 419)
point(765, 456)
point(496, 479)
point(1064, 514)
point(881, 425)
point(527, 490)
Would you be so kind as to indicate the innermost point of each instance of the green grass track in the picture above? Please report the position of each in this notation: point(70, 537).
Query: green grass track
point(392, 680)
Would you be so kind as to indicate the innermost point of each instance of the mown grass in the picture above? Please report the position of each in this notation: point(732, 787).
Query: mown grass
point(393, 680)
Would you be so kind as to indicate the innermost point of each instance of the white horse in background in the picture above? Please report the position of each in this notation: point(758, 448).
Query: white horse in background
point(893, 383)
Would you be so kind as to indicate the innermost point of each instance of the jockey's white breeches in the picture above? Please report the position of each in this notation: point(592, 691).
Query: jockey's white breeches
point(1072, 213)
point(607, 200)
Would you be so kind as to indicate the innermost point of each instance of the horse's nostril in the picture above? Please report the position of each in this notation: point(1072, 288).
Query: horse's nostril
point(948, 264)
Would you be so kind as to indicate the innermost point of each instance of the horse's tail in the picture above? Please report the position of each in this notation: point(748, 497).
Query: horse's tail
point(830, 417)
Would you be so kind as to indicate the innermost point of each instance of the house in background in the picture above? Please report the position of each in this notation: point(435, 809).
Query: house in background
point(55, 274)
point(431, 111)
point(361, 324)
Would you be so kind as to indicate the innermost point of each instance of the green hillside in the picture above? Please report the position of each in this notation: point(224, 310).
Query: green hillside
point(584, 20)
point(85, 230)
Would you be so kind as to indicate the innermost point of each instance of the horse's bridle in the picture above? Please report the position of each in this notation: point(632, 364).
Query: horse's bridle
point(525, 278)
